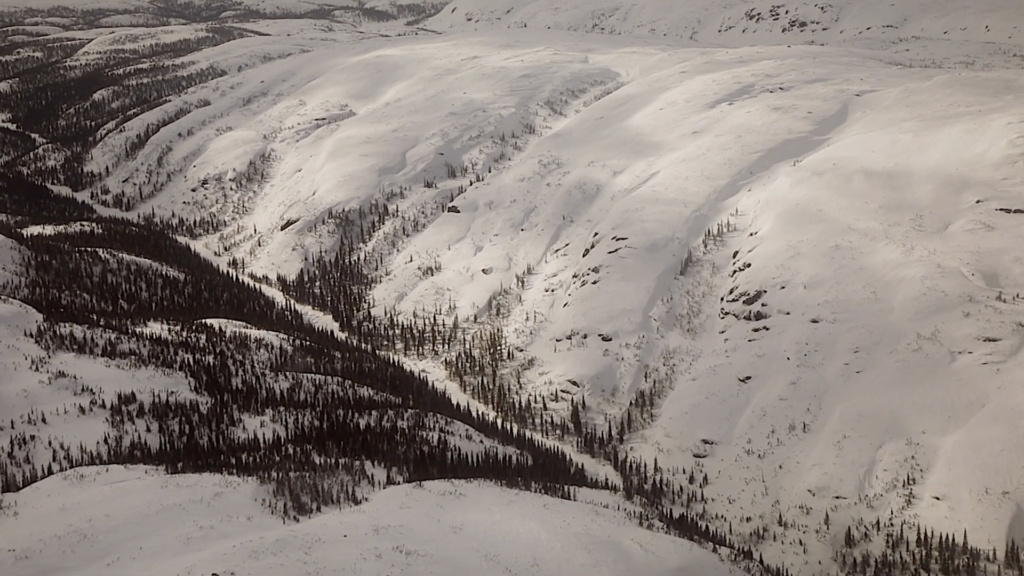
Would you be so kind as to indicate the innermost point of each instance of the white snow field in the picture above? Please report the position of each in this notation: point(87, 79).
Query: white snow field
point(134, 520)
point(856, 324)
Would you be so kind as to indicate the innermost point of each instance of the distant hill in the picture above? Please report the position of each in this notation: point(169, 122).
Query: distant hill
point(736, 23)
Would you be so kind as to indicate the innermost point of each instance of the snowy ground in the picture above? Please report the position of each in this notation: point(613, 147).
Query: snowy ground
point(135, 520)
point(872, 179)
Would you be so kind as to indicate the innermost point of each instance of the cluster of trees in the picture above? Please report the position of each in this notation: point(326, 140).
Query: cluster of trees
point(25, 202)
point(340, 284)
point(188, 10)
point(72, 103)
point(117, 273)
point(922, 551)
point(44, 52)
point(225, 11)
point(320, 418)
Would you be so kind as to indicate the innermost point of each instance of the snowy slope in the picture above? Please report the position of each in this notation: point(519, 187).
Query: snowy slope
point(49, 402)
point(867, 201)
point(895, 333)
point(134, 520)
point(10, 258)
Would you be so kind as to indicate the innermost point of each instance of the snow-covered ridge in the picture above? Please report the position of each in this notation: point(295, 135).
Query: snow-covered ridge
point(751, 22)
point(127, 13)
point(135, 519)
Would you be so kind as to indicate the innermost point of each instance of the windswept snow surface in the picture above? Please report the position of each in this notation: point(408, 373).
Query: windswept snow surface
point(135, 520)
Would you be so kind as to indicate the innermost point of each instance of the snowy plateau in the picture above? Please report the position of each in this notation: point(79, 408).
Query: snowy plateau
point(675, 286)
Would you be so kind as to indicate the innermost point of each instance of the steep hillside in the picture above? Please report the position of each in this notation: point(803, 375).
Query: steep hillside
point(848, 342)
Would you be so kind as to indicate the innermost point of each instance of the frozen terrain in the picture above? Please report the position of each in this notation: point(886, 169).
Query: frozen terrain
point(845, 337)
point(134, 520)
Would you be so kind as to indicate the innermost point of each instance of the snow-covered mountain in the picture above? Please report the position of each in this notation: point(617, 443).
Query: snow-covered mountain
point(776, 242)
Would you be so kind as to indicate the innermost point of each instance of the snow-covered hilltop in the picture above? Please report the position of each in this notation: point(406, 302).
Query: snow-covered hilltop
point(203, 524)
point(771, 247)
